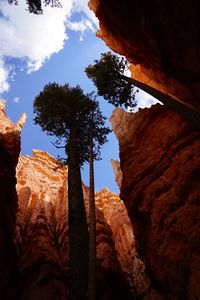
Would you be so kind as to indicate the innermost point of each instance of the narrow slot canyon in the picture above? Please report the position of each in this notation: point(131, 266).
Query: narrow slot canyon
point(148, 235)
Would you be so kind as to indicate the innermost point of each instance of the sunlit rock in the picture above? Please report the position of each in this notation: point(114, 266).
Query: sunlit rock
point(117, 171)
point(116, 216)
point(159, 158)
point(159, 39)
point(42, 231)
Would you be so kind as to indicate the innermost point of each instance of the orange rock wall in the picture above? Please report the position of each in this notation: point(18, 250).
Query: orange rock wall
point(160, 39)
point(160, 163)
point(9, 152)
point(117, 218)
point(41, 227)
point(42, 230)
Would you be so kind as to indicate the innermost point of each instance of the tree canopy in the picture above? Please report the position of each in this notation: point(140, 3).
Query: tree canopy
point(35, 6)
point(57, 107)
point(72, 116)
point(107, 74)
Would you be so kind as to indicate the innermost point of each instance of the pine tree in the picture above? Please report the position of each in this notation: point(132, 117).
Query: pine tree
point(96, 128)
point(35, 6)
point(65, 112)
point(108, 75)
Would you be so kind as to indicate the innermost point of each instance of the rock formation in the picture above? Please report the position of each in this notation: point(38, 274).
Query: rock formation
point(41, 227)
point(117, 172)
point(159, 153)
point(159, 158)
point(160, 39)
point(117, 218)
point(42, 230)
point(34, 253)
point(9, 152)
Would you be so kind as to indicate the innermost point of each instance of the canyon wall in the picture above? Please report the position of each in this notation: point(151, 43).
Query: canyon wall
point(161, 40)
point(9, 152)
point(33, 232)
point(160, 163)
point(42, 230)
point(117, 218)
point(41, 227)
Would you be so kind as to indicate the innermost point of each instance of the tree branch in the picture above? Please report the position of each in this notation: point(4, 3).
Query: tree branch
point(58, 147)
point(184, 110)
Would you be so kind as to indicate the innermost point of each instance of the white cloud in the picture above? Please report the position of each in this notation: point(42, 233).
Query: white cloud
point(81, 26)
point(145, 100)
point(16, 99)
point(82, 6)
point(4, 74)
point(34, 38)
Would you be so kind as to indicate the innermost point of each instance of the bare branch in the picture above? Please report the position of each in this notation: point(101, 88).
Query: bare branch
point(58, 147)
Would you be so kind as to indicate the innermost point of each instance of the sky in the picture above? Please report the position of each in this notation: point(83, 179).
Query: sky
point(53, 47)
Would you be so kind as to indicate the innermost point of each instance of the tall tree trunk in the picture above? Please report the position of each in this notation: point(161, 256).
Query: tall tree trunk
point(92, 231)
point(184, 110)
point(78, 232)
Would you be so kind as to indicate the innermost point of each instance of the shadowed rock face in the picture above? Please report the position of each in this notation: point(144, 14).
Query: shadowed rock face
point(159, 154)
point(160, 38)
point(9, 152)
point(42, 230)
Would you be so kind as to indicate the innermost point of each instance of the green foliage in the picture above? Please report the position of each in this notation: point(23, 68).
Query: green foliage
point(58, 109)
point(35, 6)
point(108, 76)
point(95, 121)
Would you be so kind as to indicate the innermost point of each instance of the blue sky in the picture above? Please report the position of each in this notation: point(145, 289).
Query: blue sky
point(36, 50)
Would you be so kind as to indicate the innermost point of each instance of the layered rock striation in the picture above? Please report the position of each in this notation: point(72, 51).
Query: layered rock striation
point(160, 39)
point(41, 227)
point(160, 163)
point(42, 231)
point(33, 232)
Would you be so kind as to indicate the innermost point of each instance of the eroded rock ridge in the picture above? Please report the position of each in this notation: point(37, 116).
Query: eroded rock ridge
point(160, 39)
point(159, 155)
point(42, 232)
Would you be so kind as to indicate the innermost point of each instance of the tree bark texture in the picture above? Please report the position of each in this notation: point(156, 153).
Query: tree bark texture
point(184, 110)
point(78, 232)
point(92, 231)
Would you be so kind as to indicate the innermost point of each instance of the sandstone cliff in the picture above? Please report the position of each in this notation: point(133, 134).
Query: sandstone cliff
point(159, 155)
point(160, 39)
point(117, 218)
point(42, 229)
point(36, 265)
point(9, 152)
